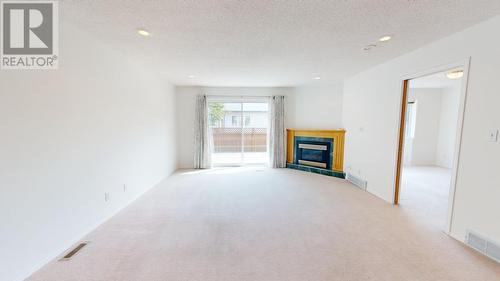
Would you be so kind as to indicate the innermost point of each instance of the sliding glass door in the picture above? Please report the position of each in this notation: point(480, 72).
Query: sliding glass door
point(239, 131)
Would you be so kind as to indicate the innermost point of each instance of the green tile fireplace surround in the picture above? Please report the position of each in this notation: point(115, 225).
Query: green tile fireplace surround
point(310, 142)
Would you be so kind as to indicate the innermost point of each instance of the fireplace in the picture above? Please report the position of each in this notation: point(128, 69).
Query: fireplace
point(314, 152)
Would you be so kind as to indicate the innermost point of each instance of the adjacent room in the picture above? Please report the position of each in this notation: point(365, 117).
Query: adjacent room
point(432, 120)
point(255, 140)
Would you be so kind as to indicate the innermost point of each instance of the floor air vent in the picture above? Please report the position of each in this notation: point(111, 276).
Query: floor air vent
point(74, 251)
point(483, 245)
point(359, 182)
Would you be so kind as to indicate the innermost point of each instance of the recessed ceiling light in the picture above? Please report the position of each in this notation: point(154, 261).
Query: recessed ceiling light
point(455, 74)
point(191, 76)
point(385, 38)
point(143, 32)
point(317, 78)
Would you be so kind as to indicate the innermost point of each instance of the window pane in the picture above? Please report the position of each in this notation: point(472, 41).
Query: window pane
point(239, 132)
point(255, 131)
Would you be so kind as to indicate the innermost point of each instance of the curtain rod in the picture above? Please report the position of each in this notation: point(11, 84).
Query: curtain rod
point(233, 96)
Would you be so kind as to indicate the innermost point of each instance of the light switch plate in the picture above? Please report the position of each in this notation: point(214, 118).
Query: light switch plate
point(493, 135)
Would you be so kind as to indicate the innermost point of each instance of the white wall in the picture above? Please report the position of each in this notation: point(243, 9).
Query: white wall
point(448, 122)
point(371, 110)
point(318, 106)
point(70, 135)
point(424, 145)
point(186, 98)
point(436, 126)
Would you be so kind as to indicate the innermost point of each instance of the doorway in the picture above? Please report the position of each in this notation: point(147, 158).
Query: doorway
point(431, 119)
point(239, 132)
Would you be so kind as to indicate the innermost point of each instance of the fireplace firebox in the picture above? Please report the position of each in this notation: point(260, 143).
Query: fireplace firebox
point(314, 152)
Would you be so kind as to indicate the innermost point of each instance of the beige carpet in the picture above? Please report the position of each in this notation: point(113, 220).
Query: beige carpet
point(424, 194)
point(250, 224)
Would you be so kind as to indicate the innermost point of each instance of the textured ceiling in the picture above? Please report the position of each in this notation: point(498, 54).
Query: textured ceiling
point(267, 42)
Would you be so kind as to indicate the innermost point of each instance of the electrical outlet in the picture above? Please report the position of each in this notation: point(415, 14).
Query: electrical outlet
point(106, 197)
point(124, 187)
point(493, 135)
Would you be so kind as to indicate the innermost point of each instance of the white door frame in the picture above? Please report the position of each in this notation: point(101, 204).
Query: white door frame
point(465, 65)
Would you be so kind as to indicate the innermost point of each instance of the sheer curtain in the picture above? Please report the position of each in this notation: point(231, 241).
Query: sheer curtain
point(202, 138)
point(277, 133)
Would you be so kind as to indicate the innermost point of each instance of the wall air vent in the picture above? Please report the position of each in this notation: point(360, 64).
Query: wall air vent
point(357, 181)
point(483, 245)
point(75, 250)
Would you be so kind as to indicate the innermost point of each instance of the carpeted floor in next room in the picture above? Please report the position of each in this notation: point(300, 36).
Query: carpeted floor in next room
point(243, 224)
